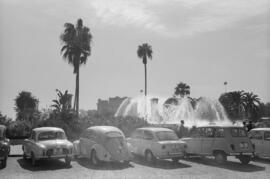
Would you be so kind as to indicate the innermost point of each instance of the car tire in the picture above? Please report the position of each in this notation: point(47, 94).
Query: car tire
point(244, 159)
point(220, 157)
point(24, 156)
point(175, 159)
point(94, 159)
point(4, 163)
point(149, 157)
point(33, 159)
point(68, 161)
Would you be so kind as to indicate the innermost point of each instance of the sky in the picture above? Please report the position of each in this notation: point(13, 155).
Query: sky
point(200, 42)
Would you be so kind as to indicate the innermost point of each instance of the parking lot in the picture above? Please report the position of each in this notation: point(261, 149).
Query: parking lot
point(187, 168)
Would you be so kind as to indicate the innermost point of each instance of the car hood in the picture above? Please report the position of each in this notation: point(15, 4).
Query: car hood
point(55, 143)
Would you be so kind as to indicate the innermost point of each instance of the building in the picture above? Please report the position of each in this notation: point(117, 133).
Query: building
point(109, 107)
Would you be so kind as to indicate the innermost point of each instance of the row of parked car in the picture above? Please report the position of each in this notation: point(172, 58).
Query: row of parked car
point(108, 143)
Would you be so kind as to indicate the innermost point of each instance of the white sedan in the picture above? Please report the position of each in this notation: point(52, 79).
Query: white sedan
point(260, 137)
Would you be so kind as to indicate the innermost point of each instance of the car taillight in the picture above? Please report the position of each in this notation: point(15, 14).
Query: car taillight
point(232, 147)
point(163, 147)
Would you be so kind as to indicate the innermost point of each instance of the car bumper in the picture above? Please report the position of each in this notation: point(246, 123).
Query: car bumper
point(170, 155)
point(242, 153)
point(55, 156)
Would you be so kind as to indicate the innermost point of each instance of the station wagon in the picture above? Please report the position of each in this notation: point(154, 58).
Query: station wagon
point(152, 143)
point(220, 142)
point(260, 137)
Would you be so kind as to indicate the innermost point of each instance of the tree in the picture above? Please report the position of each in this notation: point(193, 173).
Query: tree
point(145, 51)
point(63, 103)
point(252, 105)
point(182, 89)
point(76, 50)
point(4, 120)
point(26, 106)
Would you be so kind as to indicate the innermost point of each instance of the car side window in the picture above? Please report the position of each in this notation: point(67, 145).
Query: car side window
point(202, 132)
point(195, 133)
point(219, 133)
point(209, 132)
point(148, 135)
point(267, 135)
point(256, 135)
point(33, 135)
point(138, 134)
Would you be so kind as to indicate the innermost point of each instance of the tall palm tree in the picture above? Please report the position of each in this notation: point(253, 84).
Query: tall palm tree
point(76, 50)
point(182, 89)
point(252, 104)
point(145, 51)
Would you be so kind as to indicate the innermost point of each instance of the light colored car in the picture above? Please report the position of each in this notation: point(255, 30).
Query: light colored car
point(260, 137)
point(48, 143)
point(152, 143)
point(220, 142)
point(102, 143)
point(4, 146)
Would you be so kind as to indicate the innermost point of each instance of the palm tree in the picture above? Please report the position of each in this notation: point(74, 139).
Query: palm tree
point(145, 51)
point(76, 50)
point(63, 103)
point(252, 104)
point(182, 89)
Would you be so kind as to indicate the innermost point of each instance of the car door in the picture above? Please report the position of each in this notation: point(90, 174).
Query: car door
point(136, 141)
point(208, 141)
point(266, 144)
point(256, 138)
point(194, 143)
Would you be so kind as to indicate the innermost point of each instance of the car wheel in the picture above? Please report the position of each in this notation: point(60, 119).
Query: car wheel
point(244, 159)
point(33, 159)
point(24, 156)
point(149, 157)
point(220, 157)
point(68, 161)
point(175, 160)
point(94, 158)
point(4, 163)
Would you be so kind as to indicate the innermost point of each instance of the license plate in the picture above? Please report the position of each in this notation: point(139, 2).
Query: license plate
point(58, 151)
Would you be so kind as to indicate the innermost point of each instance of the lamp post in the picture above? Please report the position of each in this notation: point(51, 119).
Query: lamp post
point(225, 86)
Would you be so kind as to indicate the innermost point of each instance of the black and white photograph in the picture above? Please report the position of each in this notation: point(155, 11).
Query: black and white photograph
point(134, 89)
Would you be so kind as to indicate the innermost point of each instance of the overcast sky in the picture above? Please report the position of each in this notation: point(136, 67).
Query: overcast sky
point(200, 42)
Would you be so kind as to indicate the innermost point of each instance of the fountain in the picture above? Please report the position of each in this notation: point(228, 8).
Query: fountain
point(161, 110)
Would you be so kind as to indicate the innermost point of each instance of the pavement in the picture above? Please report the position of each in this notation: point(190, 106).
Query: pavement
point(81, 168)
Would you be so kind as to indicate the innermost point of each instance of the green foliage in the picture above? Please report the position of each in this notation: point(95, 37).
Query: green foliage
point(240, 104)
point(4, 120)
point(182, 89)
point(144, 51)
point(26, 106)
point(63, 103)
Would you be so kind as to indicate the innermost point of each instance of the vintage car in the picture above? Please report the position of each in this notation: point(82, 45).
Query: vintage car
point(4, 146)
point(220, 141)
point(48, 143)
point(156, 142)
point(102, 143)
point(260, 137)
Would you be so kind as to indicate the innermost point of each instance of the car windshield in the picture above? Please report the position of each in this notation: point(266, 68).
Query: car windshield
point(51, 135)
point(166, 135)
point(238, 132)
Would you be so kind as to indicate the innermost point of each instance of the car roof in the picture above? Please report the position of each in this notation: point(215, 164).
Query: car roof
point(104, 129)
point(43, 129)
point(261, 129)
point(154, 129)
point(223, 126)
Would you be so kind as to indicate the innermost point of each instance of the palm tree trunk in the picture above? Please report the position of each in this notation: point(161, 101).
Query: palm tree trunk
point(77, 90)
point(145, 80)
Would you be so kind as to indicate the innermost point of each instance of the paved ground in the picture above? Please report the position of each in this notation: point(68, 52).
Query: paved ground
point(191, 168)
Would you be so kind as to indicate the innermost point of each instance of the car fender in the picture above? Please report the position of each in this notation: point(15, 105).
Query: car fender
point(76, 147)
point(100, 151)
